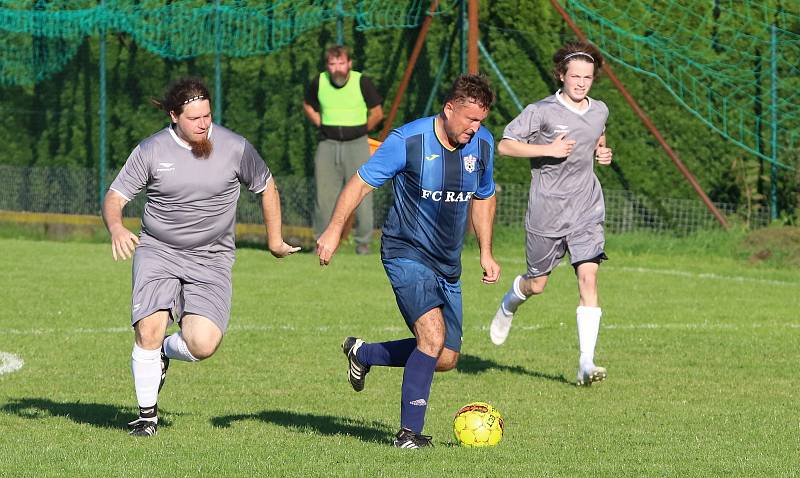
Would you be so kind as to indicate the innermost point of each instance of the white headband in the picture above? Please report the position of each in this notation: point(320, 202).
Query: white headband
point(578, 53)
point(193, 98)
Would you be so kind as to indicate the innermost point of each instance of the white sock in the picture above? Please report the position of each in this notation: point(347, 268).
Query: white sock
point(175, 348)
point(588, 327)
point(513, 298)
point(146, 368)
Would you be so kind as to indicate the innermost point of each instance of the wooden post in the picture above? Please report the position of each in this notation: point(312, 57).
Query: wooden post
point(472, 38)
point(423, 32)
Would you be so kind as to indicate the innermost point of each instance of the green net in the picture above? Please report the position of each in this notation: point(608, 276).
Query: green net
point(733, 64)
point(39, 38)
point(721, 59)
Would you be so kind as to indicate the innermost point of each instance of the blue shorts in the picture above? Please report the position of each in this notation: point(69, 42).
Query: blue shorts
point(418, 290)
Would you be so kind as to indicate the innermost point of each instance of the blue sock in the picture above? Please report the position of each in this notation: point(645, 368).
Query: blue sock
point(392, 354)
point(417, 379)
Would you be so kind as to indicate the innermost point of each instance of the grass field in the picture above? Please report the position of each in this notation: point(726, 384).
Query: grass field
point(701, 348)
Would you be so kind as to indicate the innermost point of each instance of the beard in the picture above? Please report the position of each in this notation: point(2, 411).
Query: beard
point(202, 149)
point(339, 80)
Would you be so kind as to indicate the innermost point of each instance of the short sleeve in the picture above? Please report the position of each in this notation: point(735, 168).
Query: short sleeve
point(371, 96)
point(133, 176)
point(253, 171)
point(486, 187)
point(386, 162)
point(312, 94)
point(525, 127)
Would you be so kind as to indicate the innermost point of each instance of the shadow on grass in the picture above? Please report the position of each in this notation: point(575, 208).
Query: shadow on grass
point(95, 414)
point(323, 424)
point(475, 365)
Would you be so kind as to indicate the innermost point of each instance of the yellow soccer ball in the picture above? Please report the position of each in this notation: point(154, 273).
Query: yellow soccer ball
point(478, 424)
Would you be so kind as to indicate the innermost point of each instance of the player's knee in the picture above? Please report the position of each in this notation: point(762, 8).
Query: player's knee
point(446, 364)
point(202, 353)
point(149, 339)
point(536, 288)
point(587, 281)
point(432, 346)
point(533, 287)
point(202, 349)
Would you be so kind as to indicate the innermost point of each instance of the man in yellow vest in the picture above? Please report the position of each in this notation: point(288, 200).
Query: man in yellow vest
point(345, 106)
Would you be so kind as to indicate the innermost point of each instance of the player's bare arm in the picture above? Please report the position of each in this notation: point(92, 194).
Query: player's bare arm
point(351, 196)
point(483, 211)
point(312, 114)
point(123, 241)
point(602, 154)
point(271, 209)
point(559, 148)
point(375, 117)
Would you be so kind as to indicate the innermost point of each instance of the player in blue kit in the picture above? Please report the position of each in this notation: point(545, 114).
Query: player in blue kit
point(440, 165)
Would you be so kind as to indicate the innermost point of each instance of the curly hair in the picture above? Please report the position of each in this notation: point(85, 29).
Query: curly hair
point(181, 92)
point(468, 88)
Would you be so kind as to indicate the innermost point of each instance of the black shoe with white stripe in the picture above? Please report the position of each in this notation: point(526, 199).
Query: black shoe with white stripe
point(164, 367)
point(143, 427)
point(356, 372)
point(405, 438)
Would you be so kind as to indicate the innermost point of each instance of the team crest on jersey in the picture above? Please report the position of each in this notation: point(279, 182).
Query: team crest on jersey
point(469, 163)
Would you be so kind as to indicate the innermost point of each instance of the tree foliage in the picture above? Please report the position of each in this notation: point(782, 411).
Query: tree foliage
point(55, 122)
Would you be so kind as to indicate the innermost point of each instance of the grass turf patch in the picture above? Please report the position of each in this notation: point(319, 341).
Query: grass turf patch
point(699, 347)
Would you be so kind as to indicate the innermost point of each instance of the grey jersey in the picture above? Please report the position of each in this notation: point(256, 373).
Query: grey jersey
point(565, 194)
point(191, 202)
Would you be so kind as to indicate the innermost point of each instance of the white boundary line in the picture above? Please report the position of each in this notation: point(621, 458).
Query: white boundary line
point(665, 326)
point(673, 272)
point(705, 275)
point(10, 363)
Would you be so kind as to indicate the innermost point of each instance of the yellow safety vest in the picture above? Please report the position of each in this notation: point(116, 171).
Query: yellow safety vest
point(343, 106)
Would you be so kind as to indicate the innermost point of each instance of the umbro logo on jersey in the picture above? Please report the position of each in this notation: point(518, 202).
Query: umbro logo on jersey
point(561, 128)
point(431, 157)
point(165, 167)
point(420, 402)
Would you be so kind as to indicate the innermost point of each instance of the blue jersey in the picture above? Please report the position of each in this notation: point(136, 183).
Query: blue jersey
point(433, 186)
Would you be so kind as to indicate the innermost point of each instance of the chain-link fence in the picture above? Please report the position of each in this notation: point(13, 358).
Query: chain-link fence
point(75, 191)
point(629, 211)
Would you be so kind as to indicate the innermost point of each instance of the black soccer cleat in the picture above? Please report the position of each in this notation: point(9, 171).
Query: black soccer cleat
point(405, 438)
point(143, 427)
point(164, 367)
point(356, 372)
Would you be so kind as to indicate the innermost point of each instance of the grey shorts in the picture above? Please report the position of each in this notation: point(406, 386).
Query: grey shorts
point(182, 283)
point(544, 253)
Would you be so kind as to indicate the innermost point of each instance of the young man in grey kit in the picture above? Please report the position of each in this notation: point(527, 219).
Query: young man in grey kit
point(182, 260)
point(563, 135)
